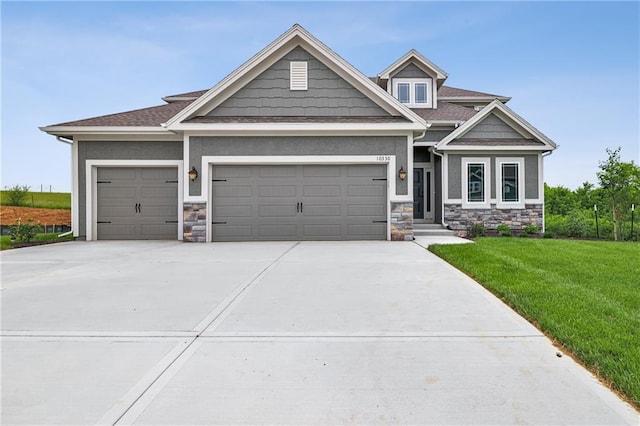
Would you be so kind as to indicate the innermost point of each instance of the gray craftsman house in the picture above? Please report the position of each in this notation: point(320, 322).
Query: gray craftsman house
point(297, 144)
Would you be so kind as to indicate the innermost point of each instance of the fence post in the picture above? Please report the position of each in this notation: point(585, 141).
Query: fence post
point(595, 212)
point(633, 208)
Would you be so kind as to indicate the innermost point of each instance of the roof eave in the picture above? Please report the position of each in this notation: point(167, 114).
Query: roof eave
point(104, 130)
point(488, 99)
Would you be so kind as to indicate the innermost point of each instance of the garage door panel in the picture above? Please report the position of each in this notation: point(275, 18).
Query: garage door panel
point(366, 210)
point(277, 171)
point(231, 172)
point(366, 190)
point(233, 191)
point(368, 231)
point(322, 231)
point(115, 231)
point(232, 232)
point(282, 231)
point(311, 210)
point(275, 190)
point(287, 211)
point(232, 211)
point(166, 191)
point(321, 190)
point(115, 192)
point(116, 173)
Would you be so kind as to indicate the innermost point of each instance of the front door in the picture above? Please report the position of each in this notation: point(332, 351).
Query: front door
point(418, 193)
point(423, 194)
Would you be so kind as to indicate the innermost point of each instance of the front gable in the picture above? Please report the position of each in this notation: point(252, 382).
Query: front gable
point(260, 92)
point(496, 127)
point(270, 94)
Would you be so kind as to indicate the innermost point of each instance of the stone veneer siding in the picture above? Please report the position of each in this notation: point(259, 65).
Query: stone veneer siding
point(401, 221)
point(195, 222)
point(461, 220)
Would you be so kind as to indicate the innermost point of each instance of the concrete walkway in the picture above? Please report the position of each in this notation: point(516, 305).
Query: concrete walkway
point(277, 333)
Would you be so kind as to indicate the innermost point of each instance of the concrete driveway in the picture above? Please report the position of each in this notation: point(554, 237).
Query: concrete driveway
point(277, 333)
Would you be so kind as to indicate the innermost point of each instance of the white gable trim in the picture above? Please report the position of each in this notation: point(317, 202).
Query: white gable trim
point(296, 36)
point(422, 62)
point(512, 119)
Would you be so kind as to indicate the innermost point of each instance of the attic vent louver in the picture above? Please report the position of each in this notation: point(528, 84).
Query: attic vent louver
point(298, 75)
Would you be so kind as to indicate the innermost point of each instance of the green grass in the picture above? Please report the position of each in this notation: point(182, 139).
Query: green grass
point(584, 294)
point(5, 240)
point(44, 200)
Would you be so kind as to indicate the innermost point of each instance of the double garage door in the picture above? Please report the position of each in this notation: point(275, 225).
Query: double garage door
point(299, 202)
point(137, 203)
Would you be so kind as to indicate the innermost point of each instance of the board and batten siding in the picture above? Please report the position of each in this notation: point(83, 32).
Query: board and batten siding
point(299, 146)
point(270, 95)
point(118, 150)
point(530, 174)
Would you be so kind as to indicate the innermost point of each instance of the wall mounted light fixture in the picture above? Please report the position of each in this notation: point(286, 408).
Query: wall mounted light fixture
point(193, 173)
point(402, 173)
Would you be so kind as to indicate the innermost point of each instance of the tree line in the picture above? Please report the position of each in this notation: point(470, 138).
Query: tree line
point(605, 211)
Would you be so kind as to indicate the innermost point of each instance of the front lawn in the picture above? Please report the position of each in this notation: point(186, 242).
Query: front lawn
point(584, 294)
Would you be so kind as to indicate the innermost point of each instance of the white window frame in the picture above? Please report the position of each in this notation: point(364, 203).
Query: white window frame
point(466, 204)
point(412, 91)
point(501, 204)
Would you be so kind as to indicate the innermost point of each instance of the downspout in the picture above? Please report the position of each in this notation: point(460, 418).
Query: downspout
point(542, 156)
point(433, 150)
point(68, 142)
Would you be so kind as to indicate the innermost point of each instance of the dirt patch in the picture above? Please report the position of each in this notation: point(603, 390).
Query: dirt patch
point(9, 215)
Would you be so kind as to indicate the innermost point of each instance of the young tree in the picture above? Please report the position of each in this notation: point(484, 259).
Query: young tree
point(17, 194)
point(620, 183)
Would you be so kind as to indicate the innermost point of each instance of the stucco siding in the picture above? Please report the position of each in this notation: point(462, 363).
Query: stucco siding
point(299, 146)
point(118, 150)
point(491, 128)
point(269, 94)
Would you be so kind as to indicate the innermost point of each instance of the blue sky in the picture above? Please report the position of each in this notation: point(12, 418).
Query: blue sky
point(572, 68)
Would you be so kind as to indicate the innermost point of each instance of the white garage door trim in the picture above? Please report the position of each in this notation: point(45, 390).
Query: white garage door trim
point(209, 161)
point(91, 174)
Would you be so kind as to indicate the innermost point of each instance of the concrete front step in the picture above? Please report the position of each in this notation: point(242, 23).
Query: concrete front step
point(431, 229)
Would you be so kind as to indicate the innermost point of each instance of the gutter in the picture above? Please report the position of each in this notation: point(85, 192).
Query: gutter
point(68, 142)
point(433, 150)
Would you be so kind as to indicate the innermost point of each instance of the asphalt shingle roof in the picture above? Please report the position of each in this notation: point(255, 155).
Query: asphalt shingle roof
point(454, 92)
point(446, 112)
point(145, 117)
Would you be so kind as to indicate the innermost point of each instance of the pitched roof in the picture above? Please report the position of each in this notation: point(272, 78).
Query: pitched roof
point(184, 96)
point(446, 112)
point(145, 117)
point(454, 92)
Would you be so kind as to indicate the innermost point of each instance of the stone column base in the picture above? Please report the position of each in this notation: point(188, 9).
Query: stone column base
point(401, 221)
point(195, 222)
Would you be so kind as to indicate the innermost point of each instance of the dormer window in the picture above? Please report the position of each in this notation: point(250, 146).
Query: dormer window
point(414, 92)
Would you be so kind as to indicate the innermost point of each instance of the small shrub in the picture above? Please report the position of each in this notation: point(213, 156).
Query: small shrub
point(16, 195)
point(476, 230)
point(530, 229)
point(504, 230)
point(548, 234)
point(577, 225)
point(23, 232)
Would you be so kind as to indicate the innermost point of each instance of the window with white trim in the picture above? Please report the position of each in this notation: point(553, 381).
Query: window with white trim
point(415, 92)
point(510, 182)
point(475, 181)
point(298, 75)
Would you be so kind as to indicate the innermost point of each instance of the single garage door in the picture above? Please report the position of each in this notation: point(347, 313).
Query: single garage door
point(137, 203)
point(299, 202)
